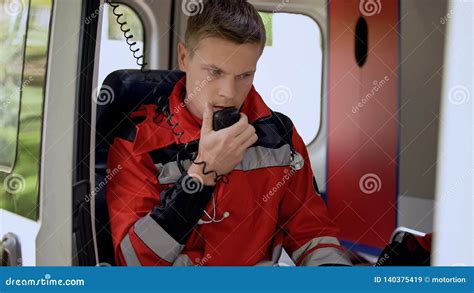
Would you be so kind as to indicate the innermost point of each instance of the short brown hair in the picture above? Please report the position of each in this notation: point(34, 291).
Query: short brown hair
point(234, 20)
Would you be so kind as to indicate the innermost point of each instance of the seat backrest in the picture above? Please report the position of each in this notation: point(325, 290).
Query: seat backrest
point(122, 93)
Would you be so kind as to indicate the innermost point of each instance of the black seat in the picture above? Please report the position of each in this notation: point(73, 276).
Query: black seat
point(122, 93)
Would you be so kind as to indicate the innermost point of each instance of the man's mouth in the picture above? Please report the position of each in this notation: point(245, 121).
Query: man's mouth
point(218, 108)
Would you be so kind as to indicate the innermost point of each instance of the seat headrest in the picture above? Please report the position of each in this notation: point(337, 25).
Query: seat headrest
point(123, 92)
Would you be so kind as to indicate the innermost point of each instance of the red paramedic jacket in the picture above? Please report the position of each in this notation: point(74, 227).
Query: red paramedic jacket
point(154, 210)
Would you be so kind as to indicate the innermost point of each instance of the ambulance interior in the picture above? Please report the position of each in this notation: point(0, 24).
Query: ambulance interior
point(379, 90)
point(364, 88)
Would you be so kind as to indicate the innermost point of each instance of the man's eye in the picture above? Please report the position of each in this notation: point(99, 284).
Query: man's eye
point(243, 76)
point(215, 72)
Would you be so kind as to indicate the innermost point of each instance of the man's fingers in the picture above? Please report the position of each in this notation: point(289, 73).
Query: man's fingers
point(250, 141)
point(245, 135)
point(207, 118)
point(237, 128)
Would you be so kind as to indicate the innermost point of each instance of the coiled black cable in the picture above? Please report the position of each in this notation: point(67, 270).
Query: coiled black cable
point(165, 111)
point(139, 59)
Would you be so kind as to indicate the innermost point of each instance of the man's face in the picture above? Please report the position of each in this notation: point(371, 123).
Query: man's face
point(219, 72)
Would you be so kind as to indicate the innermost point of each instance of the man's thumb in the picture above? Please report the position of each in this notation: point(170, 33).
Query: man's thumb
point(207, 118)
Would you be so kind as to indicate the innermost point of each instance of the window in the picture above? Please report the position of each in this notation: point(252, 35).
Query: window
point(115, 53)
point(13, 20)
point(24, 42)
point(289, 75)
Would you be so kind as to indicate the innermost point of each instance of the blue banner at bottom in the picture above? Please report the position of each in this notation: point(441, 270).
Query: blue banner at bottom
point(238, 279)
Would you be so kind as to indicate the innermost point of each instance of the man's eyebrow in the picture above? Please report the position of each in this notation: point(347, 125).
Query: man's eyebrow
point(214, 67)
point(249, 72)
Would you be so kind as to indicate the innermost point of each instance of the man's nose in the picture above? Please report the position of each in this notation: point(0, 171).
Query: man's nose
point(227, 88)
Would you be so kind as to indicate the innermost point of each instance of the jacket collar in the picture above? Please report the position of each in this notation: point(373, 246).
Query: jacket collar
point(190, 126)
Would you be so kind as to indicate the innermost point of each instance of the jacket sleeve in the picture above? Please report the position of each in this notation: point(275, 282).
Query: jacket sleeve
point(150, 222)
point(310, 235)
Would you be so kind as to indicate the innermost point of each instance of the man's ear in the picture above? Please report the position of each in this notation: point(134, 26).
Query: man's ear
point(183, 56)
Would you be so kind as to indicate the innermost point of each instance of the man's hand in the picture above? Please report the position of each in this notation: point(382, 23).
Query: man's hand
point(221, 150)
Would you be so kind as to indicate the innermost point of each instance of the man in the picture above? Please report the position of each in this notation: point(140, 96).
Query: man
point(189, 195)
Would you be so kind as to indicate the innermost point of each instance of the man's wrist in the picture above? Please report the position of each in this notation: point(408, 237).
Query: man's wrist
point(195, 171)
